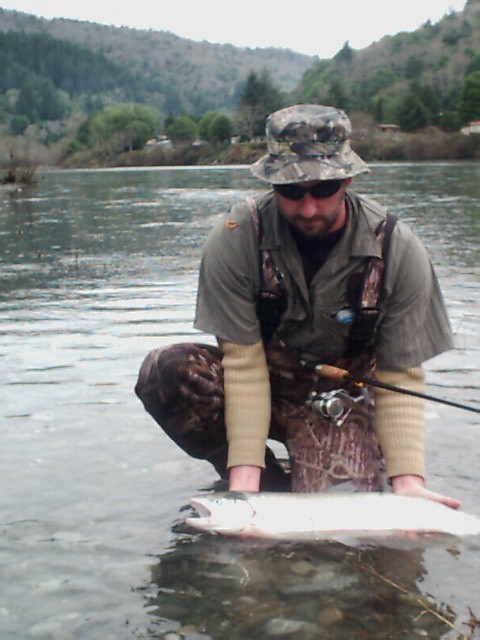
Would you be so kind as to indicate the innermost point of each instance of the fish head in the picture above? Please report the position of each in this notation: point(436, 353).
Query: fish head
point(228, 513)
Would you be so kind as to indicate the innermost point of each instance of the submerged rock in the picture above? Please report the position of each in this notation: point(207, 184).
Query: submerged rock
point(329, 616)
point(278, 627)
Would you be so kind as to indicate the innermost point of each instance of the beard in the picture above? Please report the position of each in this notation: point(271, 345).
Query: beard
point(317, 227)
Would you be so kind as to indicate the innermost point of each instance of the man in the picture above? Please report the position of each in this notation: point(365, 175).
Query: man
point(308, 274)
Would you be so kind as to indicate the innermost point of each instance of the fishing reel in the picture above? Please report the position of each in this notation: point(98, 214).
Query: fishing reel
point(334, 405)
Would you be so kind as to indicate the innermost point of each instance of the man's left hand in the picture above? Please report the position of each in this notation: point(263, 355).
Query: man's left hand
point(410, 485)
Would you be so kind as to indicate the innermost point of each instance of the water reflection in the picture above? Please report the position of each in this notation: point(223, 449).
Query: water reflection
point(238, 590)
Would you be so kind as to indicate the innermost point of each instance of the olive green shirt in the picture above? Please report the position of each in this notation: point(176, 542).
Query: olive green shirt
point(413, 325)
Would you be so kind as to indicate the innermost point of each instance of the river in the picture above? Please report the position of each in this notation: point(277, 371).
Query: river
point(97, 267)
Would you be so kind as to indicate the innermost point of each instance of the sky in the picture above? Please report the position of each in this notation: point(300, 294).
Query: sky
point(314, 27)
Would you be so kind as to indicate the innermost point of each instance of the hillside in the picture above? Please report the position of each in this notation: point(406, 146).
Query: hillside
point(439, 53)
point(426, 66)
point(192, 76)
point(83, 93)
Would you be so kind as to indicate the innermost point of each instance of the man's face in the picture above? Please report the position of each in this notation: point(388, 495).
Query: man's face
point(315, 217)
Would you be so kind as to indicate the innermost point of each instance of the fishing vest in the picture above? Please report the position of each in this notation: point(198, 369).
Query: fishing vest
point(367, 292)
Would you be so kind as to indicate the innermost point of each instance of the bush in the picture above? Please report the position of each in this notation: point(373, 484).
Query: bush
point(18, 124)
point(71, 147)
point(429, 144)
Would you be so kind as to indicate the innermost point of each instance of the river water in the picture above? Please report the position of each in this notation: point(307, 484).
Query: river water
point(96, 269)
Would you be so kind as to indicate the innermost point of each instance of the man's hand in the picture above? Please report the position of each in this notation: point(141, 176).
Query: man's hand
point(245, 478)
point(410, 485)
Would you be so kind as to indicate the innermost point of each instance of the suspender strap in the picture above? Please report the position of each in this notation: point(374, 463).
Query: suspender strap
point(270, 299)
point(372, 293)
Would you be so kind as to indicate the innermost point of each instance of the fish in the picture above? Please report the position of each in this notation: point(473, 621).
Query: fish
point(316, 516)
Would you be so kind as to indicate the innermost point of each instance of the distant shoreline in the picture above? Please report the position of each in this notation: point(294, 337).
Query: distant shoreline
point(431, 145)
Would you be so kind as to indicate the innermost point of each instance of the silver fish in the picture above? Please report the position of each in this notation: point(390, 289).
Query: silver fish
point(315, 516)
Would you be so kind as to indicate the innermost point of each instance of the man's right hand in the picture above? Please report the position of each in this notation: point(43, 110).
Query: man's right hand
point(245, 478)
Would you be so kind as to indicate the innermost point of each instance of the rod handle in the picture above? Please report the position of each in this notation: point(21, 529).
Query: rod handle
point(333, 373)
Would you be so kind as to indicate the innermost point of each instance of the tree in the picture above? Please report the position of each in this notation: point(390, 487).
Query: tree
point(418, 108)
point(314, 81)
point(259, 98)
point(182, 129)
point(215, 127)
point(414, 67)
point(204, 124)
point(384, 109)
point(474, 64)
point(413, 114)
point(18, 124)
point(124, 127)
point(345, 54)
point(381, 79)
point(339, 94)
point(469, 104)
point(133, 135)
point(50, 105)
point(39, 100)
point(220, 129)
point(25, 105)
point(450, 100)
point(430, 100)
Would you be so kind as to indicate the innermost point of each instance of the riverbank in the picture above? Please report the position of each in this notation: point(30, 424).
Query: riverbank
point(372, 145)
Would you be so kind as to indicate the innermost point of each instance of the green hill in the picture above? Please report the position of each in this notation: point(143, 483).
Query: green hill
point(421, 71)
point(177, 75)
point(174, 74)
point(62, 81)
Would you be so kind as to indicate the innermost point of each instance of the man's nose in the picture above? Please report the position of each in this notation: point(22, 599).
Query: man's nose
point(308, 206)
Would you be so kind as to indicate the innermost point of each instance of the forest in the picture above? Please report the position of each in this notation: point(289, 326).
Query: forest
point(74, 102)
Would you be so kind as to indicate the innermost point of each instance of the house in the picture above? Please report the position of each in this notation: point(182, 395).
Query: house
point(159, 141)
point(471, 127)
point(390, 129)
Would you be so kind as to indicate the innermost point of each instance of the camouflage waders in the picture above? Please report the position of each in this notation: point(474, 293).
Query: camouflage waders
point(181, 386)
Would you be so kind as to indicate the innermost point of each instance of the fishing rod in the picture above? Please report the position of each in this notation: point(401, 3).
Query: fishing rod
point(342, 375)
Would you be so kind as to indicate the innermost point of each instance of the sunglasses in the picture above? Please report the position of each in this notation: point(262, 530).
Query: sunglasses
point(323, 189)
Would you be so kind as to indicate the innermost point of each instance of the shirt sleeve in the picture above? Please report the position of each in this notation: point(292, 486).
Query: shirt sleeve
point(415, 326)
point(228, 280)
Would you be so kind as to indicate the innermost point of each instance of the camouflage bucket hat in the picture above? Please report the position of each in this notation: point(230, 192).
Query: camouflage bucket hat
point(308, 142)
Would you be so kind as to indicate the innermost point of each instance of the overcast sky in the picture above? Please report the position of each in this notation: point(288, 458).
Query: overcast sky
point(314, 27)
